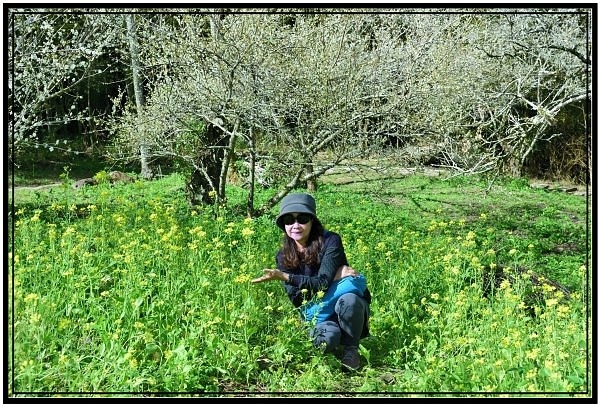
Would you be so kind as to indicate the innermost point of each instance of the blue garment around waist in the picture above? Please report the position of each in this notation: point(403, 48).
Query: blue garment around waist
point(322, 309)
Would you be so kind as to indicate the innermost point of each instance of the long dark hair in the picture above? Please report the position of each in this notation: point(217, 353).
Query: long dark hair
point(311, 255)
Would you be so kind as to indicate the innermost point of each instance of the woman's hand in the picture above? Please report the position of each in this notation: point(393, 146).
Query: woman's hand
point(272, 275)
point(344, 271)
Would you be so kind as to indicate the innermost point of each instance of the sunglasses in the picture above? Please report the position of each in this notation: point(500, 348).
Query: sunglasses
point(302, 218)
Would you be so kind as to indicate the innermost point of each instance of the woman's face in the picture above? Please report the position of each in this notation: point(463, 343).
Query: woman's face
point(297, 227)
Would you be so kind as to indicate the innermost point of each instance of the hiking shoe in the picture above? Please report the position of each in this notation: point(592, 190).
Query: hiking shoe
point(350, 359)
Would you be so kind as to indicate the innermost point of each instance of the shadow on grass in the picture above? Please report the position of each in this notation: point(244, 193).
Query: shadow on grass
point(31, 172)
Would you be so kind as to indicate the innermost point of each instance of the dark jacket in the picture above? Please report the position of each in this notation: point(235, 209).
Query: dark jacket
point(318, 277)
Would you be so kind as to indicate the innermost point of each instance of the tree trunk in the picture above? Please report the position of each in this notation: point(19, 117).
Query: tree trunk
point(311, 184)
point(227, 158)
point(146, 171)
point(215, 23)
point(251, 181)
point(205, 182)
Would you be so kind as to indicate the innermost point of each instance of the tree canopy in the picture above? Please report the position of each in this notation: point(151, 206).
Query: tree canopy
point(289, 93)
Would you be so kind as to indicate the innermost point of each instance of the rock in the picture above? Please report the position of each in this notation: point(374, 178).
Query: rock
point(84, 182)
point(117, 176)
point(387, 378)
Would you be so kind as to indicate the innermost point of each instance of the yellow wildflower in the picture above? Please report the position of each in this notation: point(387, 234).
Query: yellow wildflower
point(247, 232)
point(563, 310)
point(533, 354)
point(31, 297)
point(63, 323)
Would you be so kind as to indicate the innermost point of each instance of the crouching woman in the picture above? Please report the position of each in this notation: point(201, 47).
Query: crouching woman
point(313, 268)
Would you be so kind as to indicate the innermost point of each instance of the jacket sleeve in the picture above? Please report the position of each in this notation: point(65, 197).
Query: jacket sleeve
point(293, 293)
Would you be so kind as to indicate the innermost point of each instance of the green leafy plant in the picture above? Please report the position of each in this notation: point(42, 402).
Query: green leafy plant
point(141, 293)
point(102, 177)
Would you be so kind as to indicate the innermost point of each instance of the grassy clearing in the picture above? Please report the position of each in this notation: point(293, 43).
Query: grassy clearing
point(126, 289)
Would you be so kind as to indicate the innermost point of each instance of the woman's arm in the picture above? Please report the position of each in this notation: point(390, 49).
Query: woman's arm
point(276, 274)
point(344, 271)
point(272, 275)
point(332, 258)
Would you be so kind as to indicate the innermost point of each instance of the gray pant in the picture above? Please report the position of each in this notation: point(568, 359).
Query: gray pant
point(347, 326)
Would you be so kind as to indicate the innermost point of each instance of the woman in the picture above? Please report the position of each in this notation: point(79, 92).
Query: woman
point(313, 260)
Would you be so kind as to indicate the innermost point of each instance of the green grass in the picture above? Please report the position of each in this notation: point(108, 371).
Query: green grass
point(126, 289)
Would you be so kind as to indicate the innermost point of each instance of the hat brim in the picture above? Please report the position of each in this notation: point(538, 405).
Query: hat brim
point(293, 208)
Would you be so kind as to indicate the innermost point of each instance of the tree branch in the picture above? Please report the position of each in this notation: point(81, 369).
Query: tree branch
point(572, 51)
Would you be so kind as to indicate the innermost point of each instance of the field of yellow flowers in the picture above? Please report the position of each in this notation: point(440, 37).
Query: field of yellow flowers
point(127, 290)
